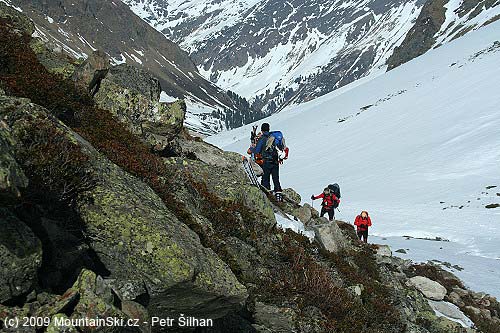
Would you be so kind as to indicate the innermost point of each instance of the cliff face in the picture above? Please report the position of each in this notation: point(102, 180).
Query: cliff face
point(111, 209)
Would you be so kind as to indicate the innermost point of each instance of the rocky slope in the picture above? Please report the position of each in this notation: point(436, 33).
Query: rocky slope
point(115, 212)
point(77, 28)
point(281, 52)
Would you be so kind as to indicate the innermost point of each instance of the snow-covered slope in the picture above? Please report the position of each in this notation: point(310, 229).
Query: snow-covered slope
point(290, 51)
point(418, 147)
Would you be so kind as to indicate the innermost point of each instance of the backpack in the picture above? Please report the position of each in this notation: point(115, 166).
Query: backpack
point(335, 189)
point(274, 142)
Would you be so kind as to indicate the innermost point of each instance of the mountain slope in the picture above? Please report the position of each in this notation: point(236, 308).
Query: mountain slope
point(417, 147)
point(79, 27)
point(282, 52)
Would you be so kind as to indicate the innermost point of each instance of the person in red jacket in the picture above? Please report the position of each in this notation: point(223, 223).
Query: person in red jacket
point(362, 223)
point(330, 202)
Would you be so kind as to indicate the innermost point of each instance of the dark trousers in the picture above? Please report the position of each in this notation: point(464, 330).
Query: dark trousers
point(330, 211)
point(271, 169)
point(363, 234)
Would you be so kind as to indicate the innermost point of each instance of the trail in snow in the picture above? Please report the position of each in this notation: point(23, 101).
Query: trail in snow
point(417, 148)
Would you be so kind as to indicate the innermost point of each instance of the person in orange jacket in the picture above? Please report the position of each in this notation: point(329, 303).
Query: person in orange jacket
point(362, 222)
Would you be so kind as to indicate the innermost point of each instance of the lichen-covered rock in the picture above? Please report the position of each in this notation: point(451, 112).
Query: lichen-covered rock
point(55, 62)
point(135, 236)
point(292, 195)
point(20, 255)
point(228, 184)
point(245, 259)
point(431, 289)
point(96, 301)
point(271, 318)
point(91, 72)
point(132, 95)
point(12, 177)
point(383, 250)
point(329, 236)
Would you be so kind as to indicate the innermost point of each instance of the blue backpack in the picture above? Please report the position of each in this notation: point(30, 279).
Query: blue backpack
point(278, 139)
point(270, 151)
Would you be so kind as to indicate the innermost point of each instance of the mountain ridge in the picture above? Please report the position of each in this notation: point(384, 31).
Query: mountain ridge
point(277, 53)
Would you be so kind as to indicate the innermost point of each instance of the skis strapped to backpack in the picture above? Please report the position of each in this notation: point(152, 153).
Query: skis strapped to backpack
point(250, 172)
point(255, 181)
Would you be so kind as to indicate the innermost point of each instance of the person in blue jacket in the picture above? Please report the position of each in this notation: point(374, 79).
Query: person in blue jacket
point(271, 146)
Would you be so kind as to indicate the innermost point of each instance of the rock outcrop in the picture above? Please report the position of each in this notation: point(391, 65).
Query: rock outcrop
point(91, 72)
point(431, 289)
point(330, 237)
point(132, 232)
point(133, 96)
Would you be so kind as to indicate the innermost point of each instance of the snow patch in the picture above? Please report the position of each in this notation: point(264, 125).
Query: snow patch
point(164, 98)
point(296, 226)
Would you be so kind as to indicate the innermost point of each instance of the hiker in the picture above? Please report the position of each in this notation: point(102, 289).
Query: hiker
point(362, 223)
point(330, 202)
point(271, 146)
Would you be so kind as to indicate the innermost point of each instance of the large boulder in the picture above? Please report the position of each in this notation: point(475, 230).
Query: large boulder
point(91, 72)
point(383, 250)
point(133, 96)
point(20, 255)
point(135, 237)
point(329, 236)
point(303, 214)
point(228, 184)
point(431, 289)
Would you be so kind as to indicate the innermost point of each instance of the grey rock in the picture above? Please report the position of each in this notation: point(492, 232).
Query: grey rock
point(384, 250)
point(292, 195)
point(132, 95)
point(472, 309)
point(330, 237)
point(91, 72)
point(20, 255)
point(303, 213)
point(431, 289)
point(454, 298)
point(271, 318)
